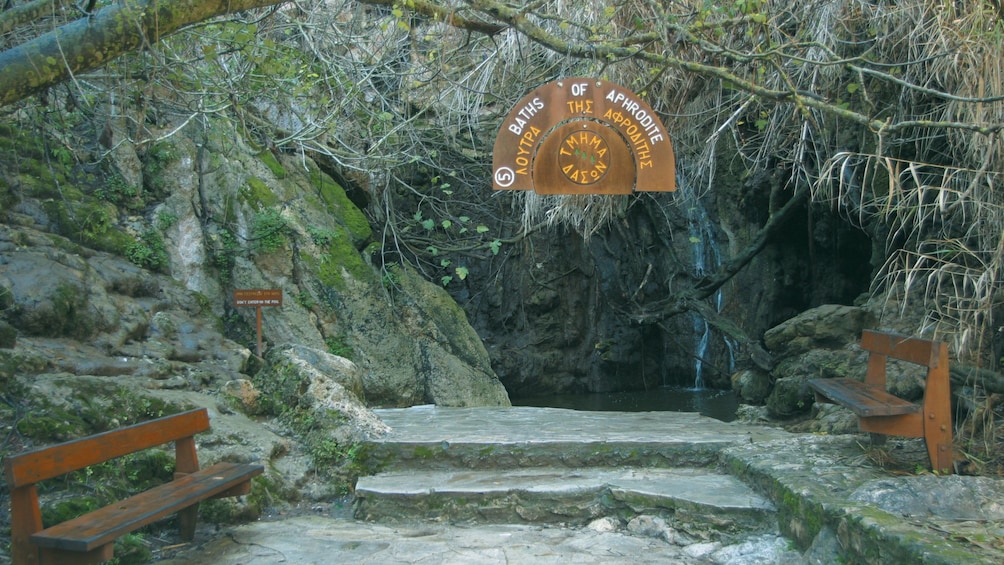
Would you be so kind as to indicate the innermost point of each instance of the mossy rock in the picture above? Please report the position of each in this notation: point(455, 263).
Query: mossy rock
point(342, 258)
point(89, 221)
point(259, 194)
point(69, 509)
point(273, 164)
point(790, 397)
point(8, 336)
point(71, 407)
point(265, 492)
point(64, 313)
point(343, 209)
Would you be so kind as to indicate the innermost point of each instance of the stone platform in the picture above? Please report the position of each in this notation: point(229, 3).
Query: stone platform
point(537, 485)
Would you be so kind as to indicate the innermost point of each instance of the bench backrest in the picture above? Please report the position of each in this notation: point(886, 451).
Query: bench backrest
point(881, 345)
point(48, 462)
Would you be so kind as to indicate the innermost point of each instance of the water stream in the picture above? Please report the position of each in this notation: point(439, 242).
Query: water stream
point(707, 258)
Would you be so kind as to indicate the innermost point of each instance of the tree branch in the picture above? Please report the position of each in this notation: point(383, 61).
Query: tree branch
point(685, 300)
point(89, 43)
point(22, 14)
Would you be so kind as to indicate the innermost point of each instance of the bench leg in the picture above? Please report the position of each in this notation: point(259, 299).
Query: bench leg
point(938, 437)
point(59, 557)
point(26, 519)
point(938, 420)
point(187, 519)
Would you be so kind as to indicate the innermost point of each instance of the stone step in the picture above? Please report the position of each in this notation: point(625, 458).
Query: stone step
point(560, 495)
point(436, 438)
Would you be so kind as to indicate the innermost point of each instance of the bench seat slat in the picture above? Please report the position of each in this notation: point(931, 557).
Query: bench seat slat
point(115, 520)
point(862, 399)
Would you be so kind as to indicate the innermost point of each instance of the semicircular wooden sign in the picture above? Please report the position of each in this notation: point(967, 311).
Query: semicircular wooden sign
point(583, 136)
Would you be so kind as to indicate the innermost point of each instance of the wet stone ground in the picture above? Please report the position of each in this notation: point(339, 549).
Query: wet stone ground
point(532, 485)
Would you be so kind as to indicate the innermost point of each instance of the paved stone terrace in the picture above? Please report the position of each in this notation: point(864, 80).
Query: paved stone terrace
point(828, 498)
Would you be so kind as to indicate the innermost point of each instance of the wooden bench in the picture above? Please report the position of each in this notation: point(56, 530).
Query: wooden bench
point(883, 413)
point(91, 537)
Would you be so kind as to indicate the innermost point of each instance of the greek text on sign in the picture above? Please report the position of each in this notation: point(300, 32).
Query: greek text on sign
point(258, 297)
point(583, 136)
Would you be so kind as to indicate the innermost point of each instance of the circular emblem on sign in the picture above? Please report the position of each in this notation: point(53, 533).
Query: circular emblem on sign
point(504, 177)
point(584, 157)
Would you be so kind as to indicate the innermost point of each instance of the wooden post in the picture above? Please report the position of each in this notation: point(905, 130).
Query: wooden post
point(257, 312)
point(258, 298)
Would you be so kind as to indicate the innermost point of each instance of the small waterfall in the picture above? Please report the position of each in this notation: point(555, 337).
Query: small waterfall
point(705, 251)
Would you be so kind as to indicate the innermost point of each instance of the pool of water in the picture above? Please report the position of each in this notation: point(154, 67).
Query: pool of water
point(718, 404)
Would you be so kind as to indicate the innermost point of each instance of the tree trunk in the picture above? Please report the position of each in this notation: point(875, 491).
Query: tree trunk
point(692, 299)
point(91, 42)
point(963, 375)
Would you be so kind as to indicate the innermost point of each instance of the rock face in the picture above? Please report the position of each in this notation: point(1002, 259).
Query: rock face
point(258, 226)
point(559, 314)
point(117, 310)
point(821, 343)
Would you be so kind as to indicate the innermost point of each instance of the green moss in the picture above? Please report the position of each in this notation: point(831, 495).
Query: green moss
point(341, 258)
point(157, 159)
point(338, 345)
point(21, 141)
point(7, 197)
point(341, 207)
point(259, 194)
point(423, 452)
point(68, 509)
point(269, 231)
point(273, 164)
point(130, 549)
point(87, 406)
point(149, 252)
point(64, 313)
point(264, 492)
point(90, 222)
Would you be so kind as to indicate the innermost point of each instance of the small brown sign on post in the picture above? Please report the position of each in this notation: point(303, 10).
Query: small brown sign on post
point(258, 298)
point(583, 136)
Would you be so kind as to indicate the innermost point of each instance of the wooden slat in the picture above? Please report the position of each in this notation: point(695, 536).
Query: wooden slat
point(49, 462)
point(915, 350)
point(104, 525)
point(862, 399)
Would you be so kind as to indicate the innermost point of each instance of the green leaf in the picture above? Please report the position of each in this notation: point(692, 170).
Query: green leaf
point(446, 279)
point(446, 224)
point(464, 218)
point(853, 87)
point(433, 250)
point(495, 246)
point(445, 262)
point(418, 216)
point(461, 272)
point(482, 229)
point(428, 224)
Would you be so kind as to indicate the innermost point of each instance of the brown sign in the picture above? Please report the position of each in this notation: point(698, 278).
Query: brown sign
point(583, 136)
point(258, 297)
